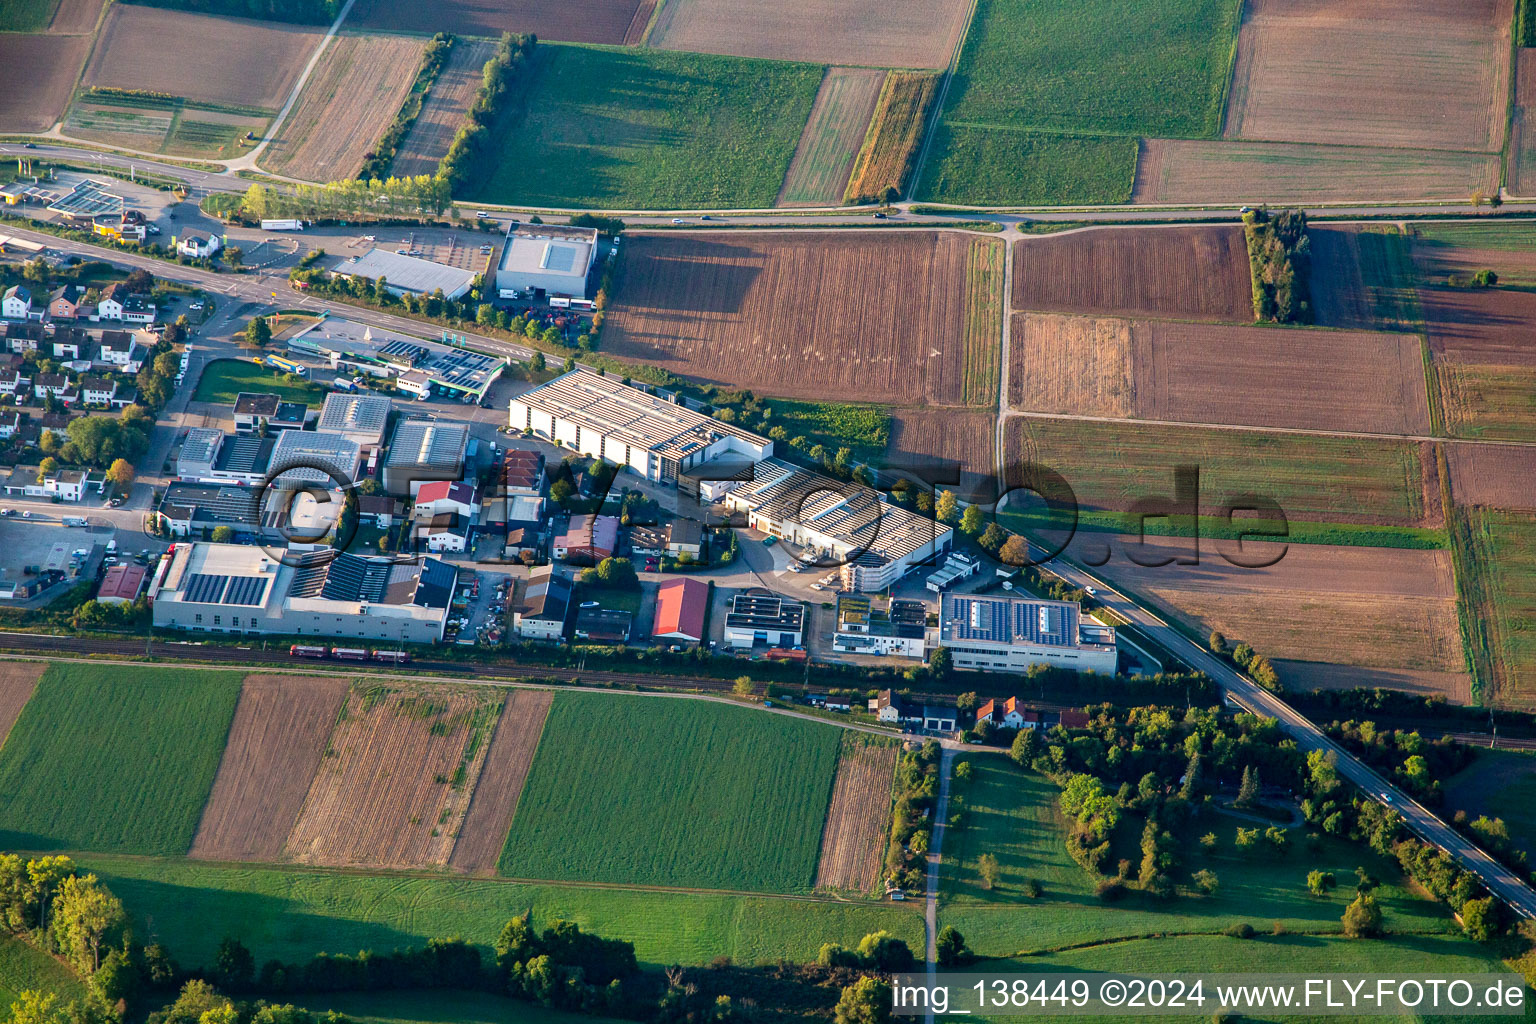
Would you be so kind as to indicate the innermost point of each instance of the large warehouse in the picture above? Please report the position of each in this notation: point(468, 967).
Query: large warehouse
point(546, 258)
point(1013, 634)
point(408, 275)
point(602, 417)
point(240, 588)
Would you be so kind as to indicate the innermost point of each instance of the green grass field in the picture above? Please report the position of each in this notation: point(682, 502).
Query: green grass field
point(712, 796)
point(26, 15)
point(25, 967)
point(117, 758)
point(1489, 402)
point(1321, 478)
point(1496, 577)
point(1504, 235)
point(1390, 278)
point(439, 1007)
point(652, 129)
point(983, 321)
point(224, 379)
point(1364, 535)
point(978, 166)
point(864, 428)
point(295, 913)
point(1500, 784)
point(1012, 814)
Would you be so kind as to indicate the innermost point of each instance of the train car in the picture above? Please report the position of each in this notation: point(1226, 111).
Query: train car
point(392, 657)
point(349, 653)
point(301, 651)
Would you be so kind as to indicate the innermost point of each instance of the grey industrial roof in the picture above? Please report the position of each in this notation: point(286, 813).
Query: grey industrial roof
point(427, 443)
point(232, 506)
point(537, 249)
point(408, 273)
point(202, 444)
point(305, 448)
point(354, 413)
point(1009, 620)
point(245, 453)
point(758, 609)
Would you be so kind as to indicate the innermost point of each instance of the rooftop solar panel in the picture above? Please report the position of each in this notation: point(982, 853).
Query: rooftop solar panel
point(205, 588)
point(246, 590)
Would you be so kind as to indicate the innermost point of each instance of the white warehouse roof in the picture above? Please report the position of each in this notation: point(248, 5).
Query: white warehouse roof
point(408, 273)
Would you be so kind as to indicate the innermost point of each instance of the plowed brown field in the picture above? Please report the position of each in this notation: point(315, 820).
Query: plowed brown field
point(853, 838)
point(215, 60)
point(1522, 126)
point(1196, 273)
point(275, 742)
point(1407, 73)
point(1497, 475)
point(1338, 608)
point(396, 779)
point(75, 17)
point(963, 436)
point(441, 115)
point(1209, 373)
point(1477, 325)
point(352, 95)
point(570, 21)
point(17, 681)
point(501, 781)
point(37, 76)
point(805, 314)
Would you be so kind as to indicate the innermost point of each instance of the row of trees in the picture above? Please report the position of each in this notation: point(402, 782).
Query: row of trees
point(502, 85)
point(917, 786)
point(1279, 260)
point(1246, 659)
point(376, 163)
point(415, 196)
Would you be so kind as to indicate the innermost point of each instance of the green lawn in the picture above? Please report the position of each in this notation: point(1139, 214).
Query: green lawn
point(1005, 166)
point(114, 757)
point(654, 791)
point(295, 913)
point(1497, 581)
point(864, 428)
point(1505, 235)
point(1013, 815)
point(25, 967)
point(652, 129)
point(224, 379)
point(1500, 784)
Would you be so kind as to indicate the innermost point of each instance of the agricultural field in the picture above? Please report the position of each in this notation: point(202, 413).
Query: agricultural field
point(293, 913)
point(26, 15)
point(1013, 815)
point(507, 761)
point(1183, 273)
point(895, 133)
point(1522, 126)
point(897, 33)
point(1488, 402)
point(985, 276)
point(443, 113)
point(1500, 784)
point(818, 174)
point(573, 21)
point(23, 967)
point(37, 78)
point(224, 379)
point(1337, 480)
point(799, 314)
point(733, 799)
point(395, 780)
point(1498, 577)
point(224, 61)
point(275, 747)
point(162, 124)
point(348, 101)
point(1477, 325)
point(1364, 277)
point(73, 17)
point(1006, 166)
point(440, 1006)
point(118, 759)
point(1208, 373)
point(1395, 73)
point(697, 130)
point(17, 681)
point(859, 816)
point(1197, 171)
point(1319, 613)
point(1492, 474)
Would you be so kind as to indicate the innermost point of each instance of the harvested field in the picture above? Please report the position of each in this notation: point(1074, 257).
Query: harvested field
point(818, 174)
point(17, 681)
point(348, 101)
point(275, 744)
point(1410, 73)
point(895, 33)
point(799, 314)
point(895, 132)
point(218, 60)
point(959, 435)
point(1364, 278)
point(571, 21)
point(1193, 273)
point(1455, 687)
point(1191, 171)
point(1328, 479)
point(853, 838)
point(396, 778)
point(443, 113)
point(1334, 607)
point(985, 276)
point(37, 77)
point(1206, 373)
point(1522, 126)
point(75, 17)
point(1497, 475)
point(501, 781)
point(1477, 325)
point(1488, 402)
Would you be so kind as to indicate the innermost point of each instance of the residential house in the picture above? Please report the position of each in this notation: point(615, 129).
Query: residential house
point(1008, 714)
point(439, 497)
point(891, 709)
point(55, 423)
point(545, 606)
point(64, 485)
point(14, 382)
point(56, 385)
point(197, 244)
point(648, 541)
point(446, 531)
point(379, 510)
point(10, 420)
point(602, 625)
point(685, 537)
point(587, 539)
point(121, 351)
point(888, 707)
point(16, 303)
point(22, 336)
point(71, 343)
point(117, 303)
point(681, 607)
point(97, 390)
point(521, 540)
point(65, 302)
point(125, 396)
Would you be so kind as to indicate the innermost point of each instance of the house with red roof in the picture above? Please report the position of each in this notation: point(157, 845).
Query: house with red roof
point(681, 607)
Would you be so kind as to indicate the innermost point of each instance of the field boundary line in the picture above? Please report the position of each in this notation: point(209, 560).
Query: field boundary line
point(249, 160)
point(939, 100)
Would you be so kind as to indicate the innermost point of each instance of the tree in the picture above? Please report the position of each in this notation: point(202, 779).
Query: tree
point(940, 662)
point(536, 364)
point(1362, 918)
point(233, 966)
point(963, 771)
point(618, 573)
point(258, 333)
point(1319, 883)
point(866, 1001)
point(967, 701)
point(972, 520)
point(950, 947)
point(1015, 550)
point(987, 866)
point(37, 1008)
point(47, 468)
point(139, 282)
point(993, 537)
point(1194, 775)
point(234, 256)
point(120, 474)
point(1206, 880)
point(1248, 792)
point(742, 687)
point(1026, 744)
point(1247, 838)
point(1218, 643)
point(85, 916)
point(946, 507)
point(222, 535)
point(1485, 278)
point(1480, 919)
point(561, 491)
point(885, 952)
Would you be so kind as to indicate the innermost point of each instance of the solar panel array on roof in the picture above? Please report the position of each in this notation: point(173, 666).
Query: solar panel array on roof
point(204, 588)
point(405, 352)
point(246, 590)
point(435, 587)
point(1009, 620)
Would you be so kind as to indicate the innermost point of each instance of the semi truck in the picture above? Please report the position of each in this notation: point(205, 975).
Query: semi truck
point(286, 365)
point(282, 225)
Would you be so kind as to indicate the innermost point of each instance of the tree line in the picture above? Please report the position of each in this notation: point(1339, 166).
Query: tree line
point(503, 83)
point(1279, 260)
point(377, 162)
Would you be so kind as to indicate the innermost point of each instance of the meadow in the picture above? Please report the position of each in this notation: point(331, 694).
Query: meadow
point(117, 759)
point(984, 166)
point(1500, 784)
point(984, 276)
point(1497, 580)
point(720, 797)
point(291, 913)
point(26, 15)
point(440, 1006)
point(25, 967)
point(864, 428)
point(652, 129)
point(224, 379)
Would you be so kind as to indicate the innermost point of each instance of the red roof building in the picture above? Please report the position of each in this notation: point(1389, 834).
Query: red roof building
point(121, 584)
point(681, 606)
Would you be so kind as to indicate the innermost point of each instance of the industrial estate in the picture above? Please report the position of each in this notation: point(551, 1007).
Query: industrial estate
point(700, 512)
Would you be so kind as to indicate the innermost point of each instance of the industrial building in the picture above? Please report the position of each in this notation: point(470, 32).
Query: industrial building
point(597, 415)
point(214, 457)
point(417, 366)
point(359, 418)
point(900, 630)
point(309, 456)
point(197, 509)
point(235, 588)
point(253, 408)
point(408, 275)
point(1014, 634)
point(545, 606)
point(757, 616)
point(546, 261)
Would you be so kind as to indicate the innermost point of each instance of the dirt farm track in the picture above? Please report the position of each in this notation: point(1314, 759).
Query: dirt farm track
point(570, 21)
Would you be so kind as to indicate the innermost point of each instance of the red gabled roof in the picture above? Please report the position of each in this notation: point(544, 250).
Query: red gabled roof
point(453, 490)
point(985, 711)
point(122, 581)
point(680, 608)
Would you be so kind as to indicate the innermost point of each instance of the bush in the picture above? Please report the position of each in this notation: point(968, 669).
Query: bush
point(1110, 891)
point(1239, 930)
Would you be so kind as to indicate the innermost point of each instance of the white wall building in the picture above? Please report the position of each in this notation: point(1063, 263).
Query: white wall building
point(549, 258)
point(1013, 634)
